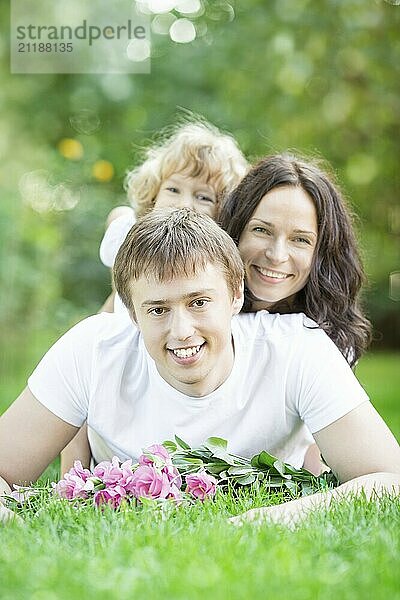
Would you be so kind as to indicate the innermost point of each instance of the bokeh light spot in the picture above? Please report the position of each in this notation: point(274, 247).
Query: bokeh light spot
point(70, 148)
point(161, 6)
point(138, 50)
point(38, 193)
point(182, 31)
point(394, 286)
point(361, 169)
point(337, 105)
point(220, 10)
point(161, 24)
point(117, 87)
point(189, 7)
point(85, 121)
point(103, 171)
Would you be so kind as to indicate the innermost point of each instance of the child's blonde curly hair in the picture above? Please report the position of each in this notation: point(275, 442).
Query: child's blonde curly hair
point(195, 149)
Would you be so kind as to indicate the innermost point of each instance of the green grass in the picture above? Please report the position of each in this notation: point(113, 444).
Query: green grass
point(351, 551)
point(380, 376)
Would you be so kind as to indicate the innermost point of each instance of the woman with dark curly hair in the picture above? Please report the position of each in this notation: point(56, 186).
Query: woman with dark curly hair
point(297, 242)
point(296, 238)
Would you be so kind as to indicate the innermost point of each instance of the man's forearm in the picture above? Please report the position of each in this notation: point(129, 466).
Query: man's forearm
point(372, 485)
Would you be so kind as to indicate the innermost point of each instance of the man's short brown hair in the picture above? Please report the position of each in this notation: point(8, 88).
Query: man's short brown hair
point(170, 243)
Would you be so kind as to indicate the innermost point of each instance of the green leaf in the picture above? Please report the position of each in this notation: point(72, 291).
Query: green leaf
point(307, 489)
point(292, 487)
point(263, 460)
point(216, 442)
point(193, 461)
point(181, 443)
point(245, 479)
point(281, 468)
point(240, 470)
point(170, 446)
point(274, 483)
point(216, 468)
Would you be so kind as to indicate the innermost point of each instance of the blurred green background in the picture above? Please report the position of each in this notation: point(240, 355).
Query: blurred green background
point(319, 77)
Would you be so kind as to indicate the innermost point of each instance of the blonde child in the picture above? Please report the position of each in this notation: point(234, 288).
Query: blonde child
point(193, 164)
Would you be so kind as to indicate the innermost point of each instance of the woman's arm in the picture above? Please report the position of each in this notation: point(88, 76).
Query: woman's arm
point(363, 453)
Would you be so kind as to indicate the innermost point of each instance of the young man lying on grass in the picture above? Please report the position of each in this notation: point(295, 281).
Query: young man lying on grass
point(183, 366)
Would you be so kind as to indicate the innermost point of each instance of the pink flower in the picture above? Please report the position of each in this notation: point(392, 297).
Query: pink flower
point(112, 496)
point(79, 471)
point(159, 452)
point(127, 481)
point(109, 472)
point(71, 487)
point(149, 482)
point(175, 493)
point(21, 493)
point(173, 475)
point(201, 485)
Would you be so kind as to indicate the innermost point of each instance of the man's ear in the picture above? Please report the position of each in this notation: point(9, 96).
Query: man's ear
point(238, 300)
point(132, 315)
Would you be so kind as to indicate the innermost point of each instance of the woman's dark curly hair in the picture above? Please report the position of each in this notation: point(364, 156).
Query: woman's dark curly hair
point(331, 294)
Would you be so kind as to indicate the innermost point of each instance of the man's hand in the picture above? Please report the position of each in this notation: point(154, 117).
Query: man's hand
point(372, 486)
point(7, 515)
point(288, 513)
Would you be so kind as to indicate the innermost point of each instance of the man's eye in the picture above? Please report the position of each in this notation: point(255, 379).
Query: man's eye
point(200, 303)
point(157, 311)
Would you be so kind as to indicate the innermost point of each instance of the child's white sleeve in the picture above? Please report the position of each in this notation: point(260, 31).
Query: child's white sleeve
point(113, 238)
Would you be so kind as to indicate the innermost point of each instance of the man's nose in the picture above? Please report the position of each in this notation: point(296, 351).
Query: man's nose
point(181, 325)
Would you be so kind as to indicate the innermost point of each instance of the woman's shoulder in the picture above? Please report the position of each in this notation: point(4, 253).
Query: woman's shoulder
point(263, 323)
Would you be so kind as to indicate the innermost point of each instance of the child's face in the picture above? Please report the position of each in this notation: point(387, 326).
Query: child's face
point(180, 191)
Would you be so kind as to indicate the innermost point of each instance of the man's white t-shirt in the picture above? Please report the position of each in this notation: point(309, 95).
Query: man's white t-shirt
point(113, 238)
point(288, 379)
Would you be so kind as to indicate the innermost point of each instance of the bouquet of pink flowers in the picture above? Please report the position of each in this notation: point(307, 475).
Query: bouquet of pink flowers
point(174, 471)
point(153, 477)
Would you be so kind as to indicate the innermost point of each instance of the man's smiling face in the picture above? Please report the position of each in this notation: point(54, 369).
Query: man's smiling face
point(186, 327)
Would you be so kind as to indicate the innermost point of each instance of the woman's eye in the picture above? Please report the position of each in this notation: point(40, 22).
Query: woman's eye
point(157, 311)
point(302, 240)
point(172, 189)
point(260, 229)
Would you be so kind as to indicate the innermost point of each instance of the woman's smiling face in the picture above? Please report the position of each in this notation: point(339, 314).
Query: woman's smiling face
point(278, 243)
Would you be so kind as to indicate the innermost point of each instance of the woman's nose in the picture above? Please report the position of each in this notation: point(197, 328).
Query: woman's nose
point(277, 251)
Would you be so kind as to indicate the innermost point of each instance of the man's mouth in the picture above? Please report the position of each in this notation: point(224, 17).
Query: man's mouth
point(272, 274)
point(186, 352)
point(187, 355)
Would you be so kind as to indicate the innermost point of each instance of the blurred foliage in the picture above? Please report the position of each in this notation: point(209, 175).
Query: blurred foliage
point(318, 77)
